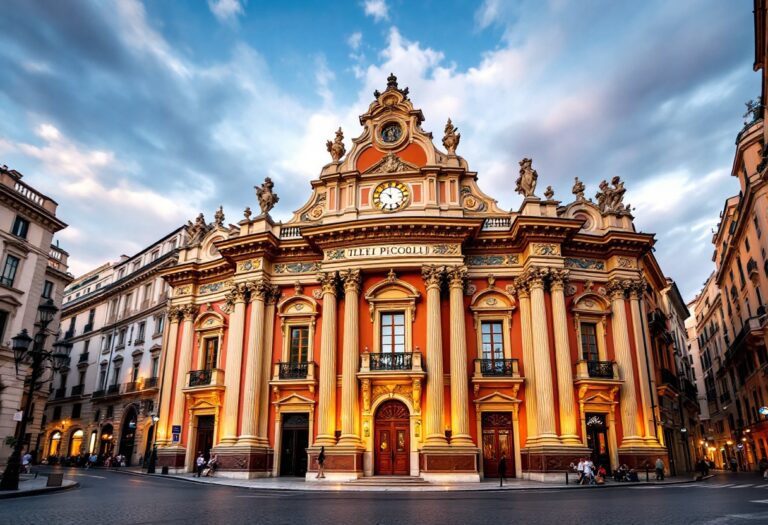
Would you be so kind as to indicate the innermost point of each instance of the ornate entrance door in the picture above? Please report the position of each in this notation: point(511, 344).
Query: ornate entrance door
point(391, 446)
point(293, 445)
point(597, 440)
point(497, 440)
point(204, 441)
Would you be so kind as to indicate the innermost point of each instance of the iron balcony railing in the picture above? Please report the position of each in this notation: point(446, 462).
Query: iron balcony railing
point(113, 389)
point(98, 393)
point(600, 369)
point(690, 390)
point(391, 361)
point(199, 377)
point(87, 328)
point(151, 382)
point(668, 377)
point(77, 390)
point(131, 386)
point(293, 370)
point(497, 367)
point(60, 392)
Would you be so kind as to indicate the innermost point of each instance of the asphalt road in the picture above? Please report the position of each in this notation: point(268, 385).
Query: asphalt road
point(114, 498)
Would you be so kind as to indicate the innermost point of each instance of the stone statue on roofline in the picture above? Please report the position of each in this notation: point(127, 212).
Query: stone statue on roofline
point(451, 139)
point(267, 198)
point(336, 147)
point(197, 230)
point(578, 189)
point(218, 217)
point(610, 198)
point(526, 181)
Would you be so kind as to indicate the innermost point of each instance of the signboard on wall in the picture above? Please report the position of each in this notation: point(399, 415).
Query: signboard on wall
point(176, 429)
point(175, 438)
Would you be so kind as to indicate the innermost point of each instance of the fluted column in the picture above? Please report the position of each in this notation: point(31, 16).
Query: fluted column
point(326, 417)
point(628, 400)
point(459, 391)
point(567, 401)
point(529, 368)
point(185, 362)
point(249, 431)
point(236, 302)
point(435, 434)
point(349, 412)
point(545, 416)
point(163, 433)
point(272, 297)
point(644, 359)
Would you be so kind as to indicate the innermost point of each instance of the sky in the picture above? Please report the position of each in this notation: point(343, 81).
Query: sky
point(136, 116)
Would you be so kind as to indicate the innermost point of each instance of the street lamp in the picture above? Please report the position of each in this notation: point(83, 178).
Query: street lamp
point(153, 453)
point(39, 360)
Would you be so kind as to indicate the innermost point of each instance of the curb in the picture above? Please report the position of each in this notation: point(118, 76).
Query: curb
point(434, 488)
point(37, 492)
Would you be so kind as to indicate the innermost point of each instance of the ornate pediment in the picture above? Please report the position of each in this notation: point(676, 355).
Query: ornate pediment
point(391, 163)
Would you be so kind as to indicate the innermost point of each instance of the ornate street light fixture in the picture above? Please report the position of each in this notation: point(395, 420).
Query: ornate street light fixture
point(38, 360)
point(153, 453)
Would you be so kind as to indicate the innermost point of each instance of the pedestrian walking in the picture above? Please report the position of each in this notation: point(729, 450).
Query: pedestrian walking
point(321, 463)
point(580, 470)
point(200, 463)
point(734, 464)
point(26, 461)
point(502, 469)
point(659, 469)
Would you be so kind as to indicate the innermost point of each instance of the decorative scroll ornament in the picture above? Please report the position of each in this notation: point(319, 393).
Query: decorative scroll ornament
point(451, 139)
point(336, 147)
point(218, 217)
point(611, 199)
point(392, 164)
point(175, 313)
point(267, 198)
point(578, 189)
point(432, 275)
point(351, 280)
point(546, 249)
point(526, 181)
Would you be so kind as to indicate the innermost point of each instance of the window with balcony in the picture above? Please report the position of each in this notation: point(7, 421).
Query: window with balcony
point(210, 353)
point(392, 306)
point(492, 312)
point(392, 334)
point(20, 227)
point(9, 270)
point(299, 344)
point(589, 342)
point(155, 366)
point(297, 315)
point(140, 332)
point(121, 337)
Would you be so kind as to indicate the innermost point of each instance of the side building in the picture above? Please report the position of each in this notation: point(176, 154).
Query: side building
point(114, 316)
point(33, 270)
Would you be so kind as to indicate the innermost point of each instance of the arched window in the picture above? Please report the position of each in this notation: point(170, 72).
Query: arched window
point(55, 445)
point(75, 442)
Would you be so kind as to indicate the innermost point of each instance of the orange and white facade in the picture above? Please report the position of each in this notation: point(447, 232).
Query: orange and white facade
point(408, 325)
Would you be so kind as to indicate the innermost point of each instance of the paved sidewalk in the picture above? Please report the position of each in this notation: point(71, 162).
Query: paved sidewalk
point(30, 485)
point(292, 484)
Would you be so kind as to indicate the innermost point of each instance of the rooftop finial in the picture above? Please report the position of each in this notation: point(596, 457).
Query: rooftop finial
point(391, 81)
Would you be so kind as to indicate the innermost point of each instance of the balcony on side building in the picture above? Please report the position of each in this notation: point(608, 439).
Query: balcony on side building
point(60, 393)
point(151, 382)
point(752, 270)
point(212, 378)
point(295, 370)
point(83, 358)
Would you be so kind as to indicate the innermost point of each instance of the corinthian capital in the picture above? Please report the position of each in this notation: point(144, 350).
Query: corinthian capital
point(258, 289)
point(189, 311)
point(637, 287)
point(432, 275)
point(328, 281)
point(558, 278)
point(273, 294)
point(351, 280)
point(457, 276)
point(536, 276)
point(175, 313)
point(617, 288)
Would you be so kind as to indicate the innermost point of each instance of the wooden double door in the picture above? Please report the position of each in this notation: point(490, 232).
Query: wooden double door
point(497, 441)
point(293, 445)
point(392, 440)
point(204, 436)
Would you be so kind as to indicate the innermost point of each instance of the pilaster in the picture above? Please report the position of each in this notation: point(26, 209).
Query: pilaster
point(435, 434)
point(236, 303)
point(566, 398)
point(523, 294)
point(185, 361)
point(350, 425)
point(326, 417)
point(459, 391)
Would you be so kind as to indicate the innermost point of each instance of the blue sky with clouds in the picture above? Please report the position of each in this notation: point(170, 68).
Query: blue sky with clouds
point(136, 115)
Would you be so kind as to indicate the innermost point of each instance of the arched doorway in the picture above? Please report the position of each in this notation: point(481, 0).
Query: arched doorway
point(392, 439)
point(128, 434)
point(148, 446)
point(55, 444)
point(75, 442)
point(105, 446)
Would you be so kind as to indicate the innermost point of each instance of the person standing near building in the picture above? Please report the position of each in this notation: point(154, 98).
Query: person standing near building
point(320, 463)
point(502, 469)
point(200, 463)
point(26, 461)
point(659, 470)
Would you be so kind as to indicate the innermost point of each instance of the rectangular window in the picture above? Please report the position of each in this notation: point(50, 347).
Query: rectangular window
point(47, 289)
point(155, 366)
point(121, 337)
point(3, 322)
point(116, 375)
point(135, 372)
point(147, 293)
point(20, 227)
point(76, 410)
point(56, 413)
point(393, 332)
point(110, 411)
point(589, 342)
point(210, 352)
point(9, 270)
point(299, 344)
point(159, 322)
point(492, 340)
point(140, 334)
point(81, 379)
point(155, 255)
point(103, 378)
point(91, 315)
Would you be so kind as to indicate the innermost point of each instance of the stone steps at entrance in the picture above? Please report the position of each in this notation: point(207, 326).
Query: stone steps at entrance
point(388, 481)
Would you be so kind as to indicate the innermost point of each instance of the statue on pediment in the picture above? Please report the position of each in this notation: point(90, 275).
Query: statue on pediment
point(197, 230)
point(267, 198)
point(218, 217)
point(610, 199)
point(336, 147)
point(526, 181)
point(578, 189)
point(451, 139)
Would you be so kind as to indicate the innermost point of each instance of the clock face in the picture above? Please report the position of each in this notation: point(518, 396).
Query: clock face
point(390, 196)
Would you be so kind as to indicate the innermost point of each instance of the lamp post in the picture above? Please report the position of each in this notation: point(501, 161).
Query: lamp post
point(38, 360)
point(153, 453)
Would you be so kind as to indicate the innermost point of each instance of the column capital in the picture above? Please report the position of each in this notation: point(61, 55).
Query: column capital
point(175, 313)
point(258, 289)
point(236, 293)
point(432, 275)
point(189, 311)
point(617, 288)
point(637, 288)
point(328, 281)
point(457, 276)
point(533, 277)
point(273, 294)
point(351, 280)
point(558, 278)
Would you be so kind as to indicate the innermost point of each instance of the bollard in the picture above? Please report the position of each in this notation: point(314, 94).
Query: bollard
point(566, 477)
point(647, 476)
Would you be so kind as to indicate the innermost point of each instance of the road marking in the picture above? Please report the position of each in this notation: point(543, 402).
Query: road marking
point(761, 486)
point(759, 501)
point(84, 475)
point(741, 486)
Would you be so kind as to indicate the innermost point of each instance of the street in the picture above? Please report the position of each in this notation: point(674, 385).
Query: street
point(118, 498)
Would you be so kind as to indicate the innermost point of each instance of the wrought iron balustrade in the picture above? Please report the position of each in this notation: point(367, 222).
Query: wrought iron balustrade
point(600, 369)
point(60, 392)
point(200, 377)
point(293, 370)
point(98, 393)
point(668, 377)
point(151, 382)
point(391, 361)
point(88, 328)
point(131, 386)
point(497, 367)
point(113, 389)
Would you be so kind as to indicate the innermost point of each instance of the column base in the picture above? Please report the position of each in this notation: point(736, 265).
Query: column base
point(244, 461)
point(173, 458)
point(342, 463)
point(640, 458)
point(448, 464)
point(571, 441)
point(463, 440)
point(549, 463)
point(251, 441)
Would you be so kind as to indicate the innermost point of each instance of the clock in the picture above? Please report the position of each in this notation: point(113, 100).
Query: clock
point(391, 196)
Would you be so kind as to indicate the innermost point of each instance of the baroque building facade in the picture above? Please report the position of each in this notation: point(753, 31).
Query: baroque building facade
point(404, 324)
point(34, 270)
point(114, 317)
